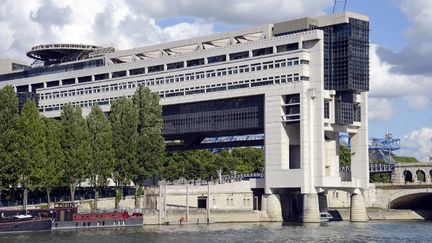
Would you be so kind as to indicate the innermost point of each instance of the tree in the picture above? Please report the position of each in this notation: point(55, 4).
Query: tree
point(124, 124)
point(226, 162)
point(102, 155)
point(251, 159)
point(173, 166)
point(151, 144)
point(344, 155)
point(32, 151)
point(208, 165)
point(50, 173)
point(8, 138)
point(194, 165)
point(76, 147)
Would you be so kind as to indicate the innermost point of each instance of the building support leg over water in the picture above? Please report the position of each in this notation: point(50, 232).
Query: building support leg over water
point(358, 208)
point(322, 200)
point(272, 204)
point(311, 212)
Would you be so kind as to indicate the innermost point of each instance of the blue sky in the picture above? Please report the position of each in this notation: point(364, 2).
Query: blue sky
point(401, 48)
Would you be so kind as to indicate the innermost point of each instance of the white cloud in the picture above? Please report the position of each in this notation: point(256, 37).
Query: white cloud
point(387, 87)
point(419, 102)
point(415, 57)
point(232, 12)
point(381, 109)
point(418, 143)
point(128, 23)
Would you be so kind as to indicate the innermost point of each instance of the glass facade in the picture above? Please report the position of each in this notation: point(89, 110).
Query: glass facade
point(220, 116)
point(346, 56)
point(39, 71)
point(346, 65)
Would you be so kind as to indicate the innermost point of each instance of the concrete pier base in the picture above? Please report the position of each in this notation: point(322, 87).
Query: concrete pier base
point(273, 206)
point(358, 209)
point(311, 208)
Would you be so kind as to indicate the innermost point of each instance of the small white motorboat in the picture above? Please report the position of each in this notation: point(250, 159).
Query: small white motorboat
point(325, 217)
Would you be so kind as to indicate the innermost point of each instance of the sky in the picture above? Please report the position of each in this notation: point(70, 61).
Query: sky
point(400, 54)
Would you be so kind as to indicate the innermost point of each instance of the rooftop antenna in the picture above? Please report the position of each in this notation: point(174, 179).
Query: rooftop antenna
point(339, 1)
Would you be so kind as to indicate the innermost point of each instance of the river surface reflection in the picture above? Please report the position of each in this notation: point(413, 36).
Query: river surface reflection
point(373, 231)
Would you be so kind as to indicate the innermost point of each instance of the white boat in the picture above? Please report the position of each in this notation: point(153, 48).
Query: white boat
point(325, 217)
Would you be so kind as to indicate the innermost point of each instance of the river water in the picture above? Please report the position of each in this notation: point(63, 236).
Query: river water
point(373, 231)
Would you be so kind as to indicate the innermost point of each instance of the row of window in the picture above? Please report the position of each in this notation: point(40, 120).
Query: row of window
point(177, 78)
point(276, 80)
point(233, 85)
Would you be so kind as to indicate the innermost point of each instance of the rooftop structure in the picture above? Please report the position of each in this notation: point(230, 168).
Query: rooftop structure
point(59, 53)
point(300, 83)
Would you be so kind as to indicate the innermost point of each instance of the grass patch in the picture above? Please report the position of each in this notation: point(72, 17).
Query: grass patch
point(405, 159)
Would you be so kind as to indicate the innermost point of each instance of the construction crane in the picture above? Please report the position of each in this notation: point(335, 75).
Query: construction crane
point(339, 1)
point(380, 149)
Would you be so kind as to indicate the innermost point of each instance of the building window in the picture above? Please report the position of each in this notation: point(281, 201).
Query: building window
point(119, 74)
point(239, 55)
point(157, 68)
point(195, 62)
point(216, 59)
point(137, 71)
point(262, 51)
point(287, 47)
point(326, 109)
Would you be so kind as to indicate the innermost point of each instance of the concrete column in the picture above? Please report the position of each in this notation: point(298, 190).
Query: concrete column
point(322, 200)
point(397, 176)
point(360, 149)
point(273, 206)
point(358, 208)
point(311, 208)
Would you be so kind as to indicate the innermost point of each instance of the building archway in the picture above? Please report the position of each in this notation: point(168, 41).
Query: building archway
point(421, 176)
point(408, 176)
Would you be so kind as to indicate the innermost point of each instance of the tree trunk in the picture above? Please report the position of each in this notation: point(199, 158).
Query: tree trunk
point(136, 195)
point(48, 191)
point(25, 195)
point(118, 196)
point(96, 198)
point(72, 192)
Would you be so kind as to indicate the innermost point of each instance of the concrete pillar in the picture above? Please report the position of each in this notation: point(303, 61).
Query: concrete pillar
point(397, 176)
point(272, 204)
point(358, 208)
point(360, 149)
point(322, 200)
point(311, 212)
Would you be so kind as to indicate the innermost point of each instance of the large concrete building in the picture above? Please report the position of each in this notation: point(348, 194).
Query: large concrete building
point(300, 83)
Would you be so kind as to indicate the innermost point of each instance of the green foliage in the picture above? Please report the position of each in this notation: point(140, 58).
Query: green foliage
point(52, 172)
point(204, 165)
point(76, 146)
point(102, 154)
point(249, 159)
point(32, 150)
point(344, 155)
point(380, 177)
point(8, 138)
point(44, 206)
point(173, 166)
point(207, 165)
point(405, 159)
point(124, 123)
point(150, 141)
